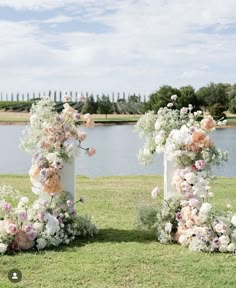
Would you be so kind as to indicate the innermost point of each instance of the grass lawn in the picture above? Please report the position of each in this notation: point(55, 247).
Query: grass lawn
point(19, 117)
point(121, 256)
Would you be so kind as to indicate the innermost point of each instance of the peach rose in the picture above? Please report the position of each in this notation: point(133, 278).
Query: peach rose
point(198, 136)
point(22, 242)
point(89, 120)
point(208, 123)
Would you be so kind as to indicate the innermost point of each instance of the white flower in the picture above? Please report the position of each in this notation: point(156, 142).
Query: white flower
point(41, 243)
point(52, 225)
point(233, 220)
point(24, 200)
point(38, 226)
point(191, 178)
point(3, 248)
point(174, 97)
point(170, 105)
point(224, 240)
point(155, 192)
point(205, 208)
point(231, 247)
point(168, 227)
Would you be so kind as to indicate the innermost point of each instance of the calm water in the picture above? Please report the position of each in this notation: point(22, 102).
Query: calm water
point(117, 148)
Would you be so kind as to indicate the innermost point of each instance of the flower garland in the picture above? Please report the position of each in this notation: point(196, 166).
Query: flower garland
point(54, 139)
point(187, 217)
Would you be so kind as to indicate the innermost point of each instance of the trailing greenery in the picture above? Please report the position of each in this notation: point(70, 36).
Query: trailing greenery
point(120, 256)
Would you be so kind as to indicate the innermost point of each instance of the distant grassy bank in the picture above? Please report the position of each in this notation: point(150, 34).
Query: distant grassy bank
point(121, 256)
point(23, 118)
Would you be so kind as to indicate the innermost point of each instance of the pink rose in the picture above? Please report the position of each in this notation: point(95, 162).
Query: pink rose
point(32, 235)
point(200, 164)
point(91, 151)
point(12, 229)
point(6, 207)
point(22, 215)
point(82, 136)
point(184, 110)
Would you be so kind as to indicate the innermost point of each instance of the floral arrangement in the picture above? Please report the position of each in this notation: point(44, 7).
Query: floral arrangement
point(43, 223)
point(187, 217)
point(54, 139)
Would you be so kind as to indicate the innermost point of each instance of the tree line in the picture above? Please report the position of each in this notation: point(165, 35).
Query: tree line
point(214, 97)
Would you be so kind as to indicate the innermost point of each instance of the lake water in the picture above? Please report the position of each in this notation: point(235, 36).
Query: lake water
point(117, 148)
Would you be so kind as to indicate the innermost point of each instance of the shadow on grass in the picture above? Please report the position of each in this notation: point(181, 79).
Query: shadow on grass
point(108, 235)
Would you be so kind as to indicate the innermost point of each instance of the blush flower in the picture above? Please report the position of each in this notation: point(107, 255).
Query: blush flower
point(208, 123)
point(200, 164)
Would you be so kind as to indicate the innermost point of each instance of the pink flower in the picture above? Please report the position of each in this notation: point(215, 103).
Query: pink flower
point(184, 110)
point(6, 207)
point(69, 203)
point(12, 229)
point(82, 136)
point(155, 192)
point(91, 151)
point(28, 228)
point(89, 120)
point(22, 215)
point(174, 97)
point(41, 216)
point(208, 123)
point(200, 164)
point(32, 235)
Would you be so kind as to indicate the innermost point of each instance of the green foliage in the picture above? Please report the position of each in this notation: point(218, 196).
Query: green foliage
point(212, 94)
point(217, 111)
point(90, 106)
point(104, 105)
point(146, 217)
point(232, 105)
point(134, 99)
point(161, 98)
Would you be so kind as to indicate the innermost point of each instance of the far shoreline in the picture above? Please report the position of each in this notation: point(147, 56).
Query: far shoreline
point(99, 123)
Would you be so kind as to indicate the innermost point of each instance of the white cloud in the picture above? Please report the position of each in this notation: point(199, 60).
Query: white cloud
point(150, 43)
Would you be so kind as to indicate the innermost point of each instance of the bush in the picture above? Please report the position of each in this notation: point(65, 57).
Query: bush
point(217, 111)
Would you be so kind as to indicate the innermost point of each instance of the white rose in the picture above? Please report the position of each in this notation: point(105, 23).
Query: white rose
point(191, 178)
point(38, 226)
point(223, 248)
point(224, 240)
point(41, 243)
point(168, 227)
point(205, 208)
point(3, 248)
point(24, 200)
point(233, 220)
point(231, 247)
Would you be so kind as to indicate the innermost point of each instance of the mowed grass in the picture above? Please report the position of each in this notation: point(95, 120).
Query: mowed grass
point(121, 256)
point(22, 117)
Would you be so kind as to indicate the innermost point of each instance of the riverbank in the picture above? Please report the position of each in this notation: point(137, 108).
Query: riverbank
point(120, 255)
point(22, 118)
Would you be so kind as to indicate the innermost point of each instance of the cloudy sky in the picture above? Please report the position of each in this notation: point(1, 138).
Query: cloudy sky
point(115, 45)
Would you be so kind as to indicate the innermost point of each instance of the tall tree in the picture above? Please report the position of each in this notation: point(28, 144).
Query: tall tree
point(104, 105)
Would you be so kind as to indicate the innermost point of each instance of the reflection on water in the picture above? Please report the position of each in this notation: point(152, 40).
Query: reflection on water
point(117, 148)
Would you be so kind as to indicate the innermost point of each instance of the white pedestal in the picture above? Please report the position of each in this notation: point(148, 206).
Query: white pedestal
point(169, 169)
point(68, 178)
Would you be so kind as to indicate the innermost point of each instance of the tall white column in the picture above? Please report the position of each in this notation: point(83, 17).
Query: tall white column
point(68, 178)
point(169, 169)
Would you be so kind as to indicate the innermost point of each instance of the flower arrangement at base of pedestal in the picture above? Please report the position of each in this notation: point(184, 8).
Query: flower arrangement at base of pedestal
point(55, 140)
point(187, 217)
